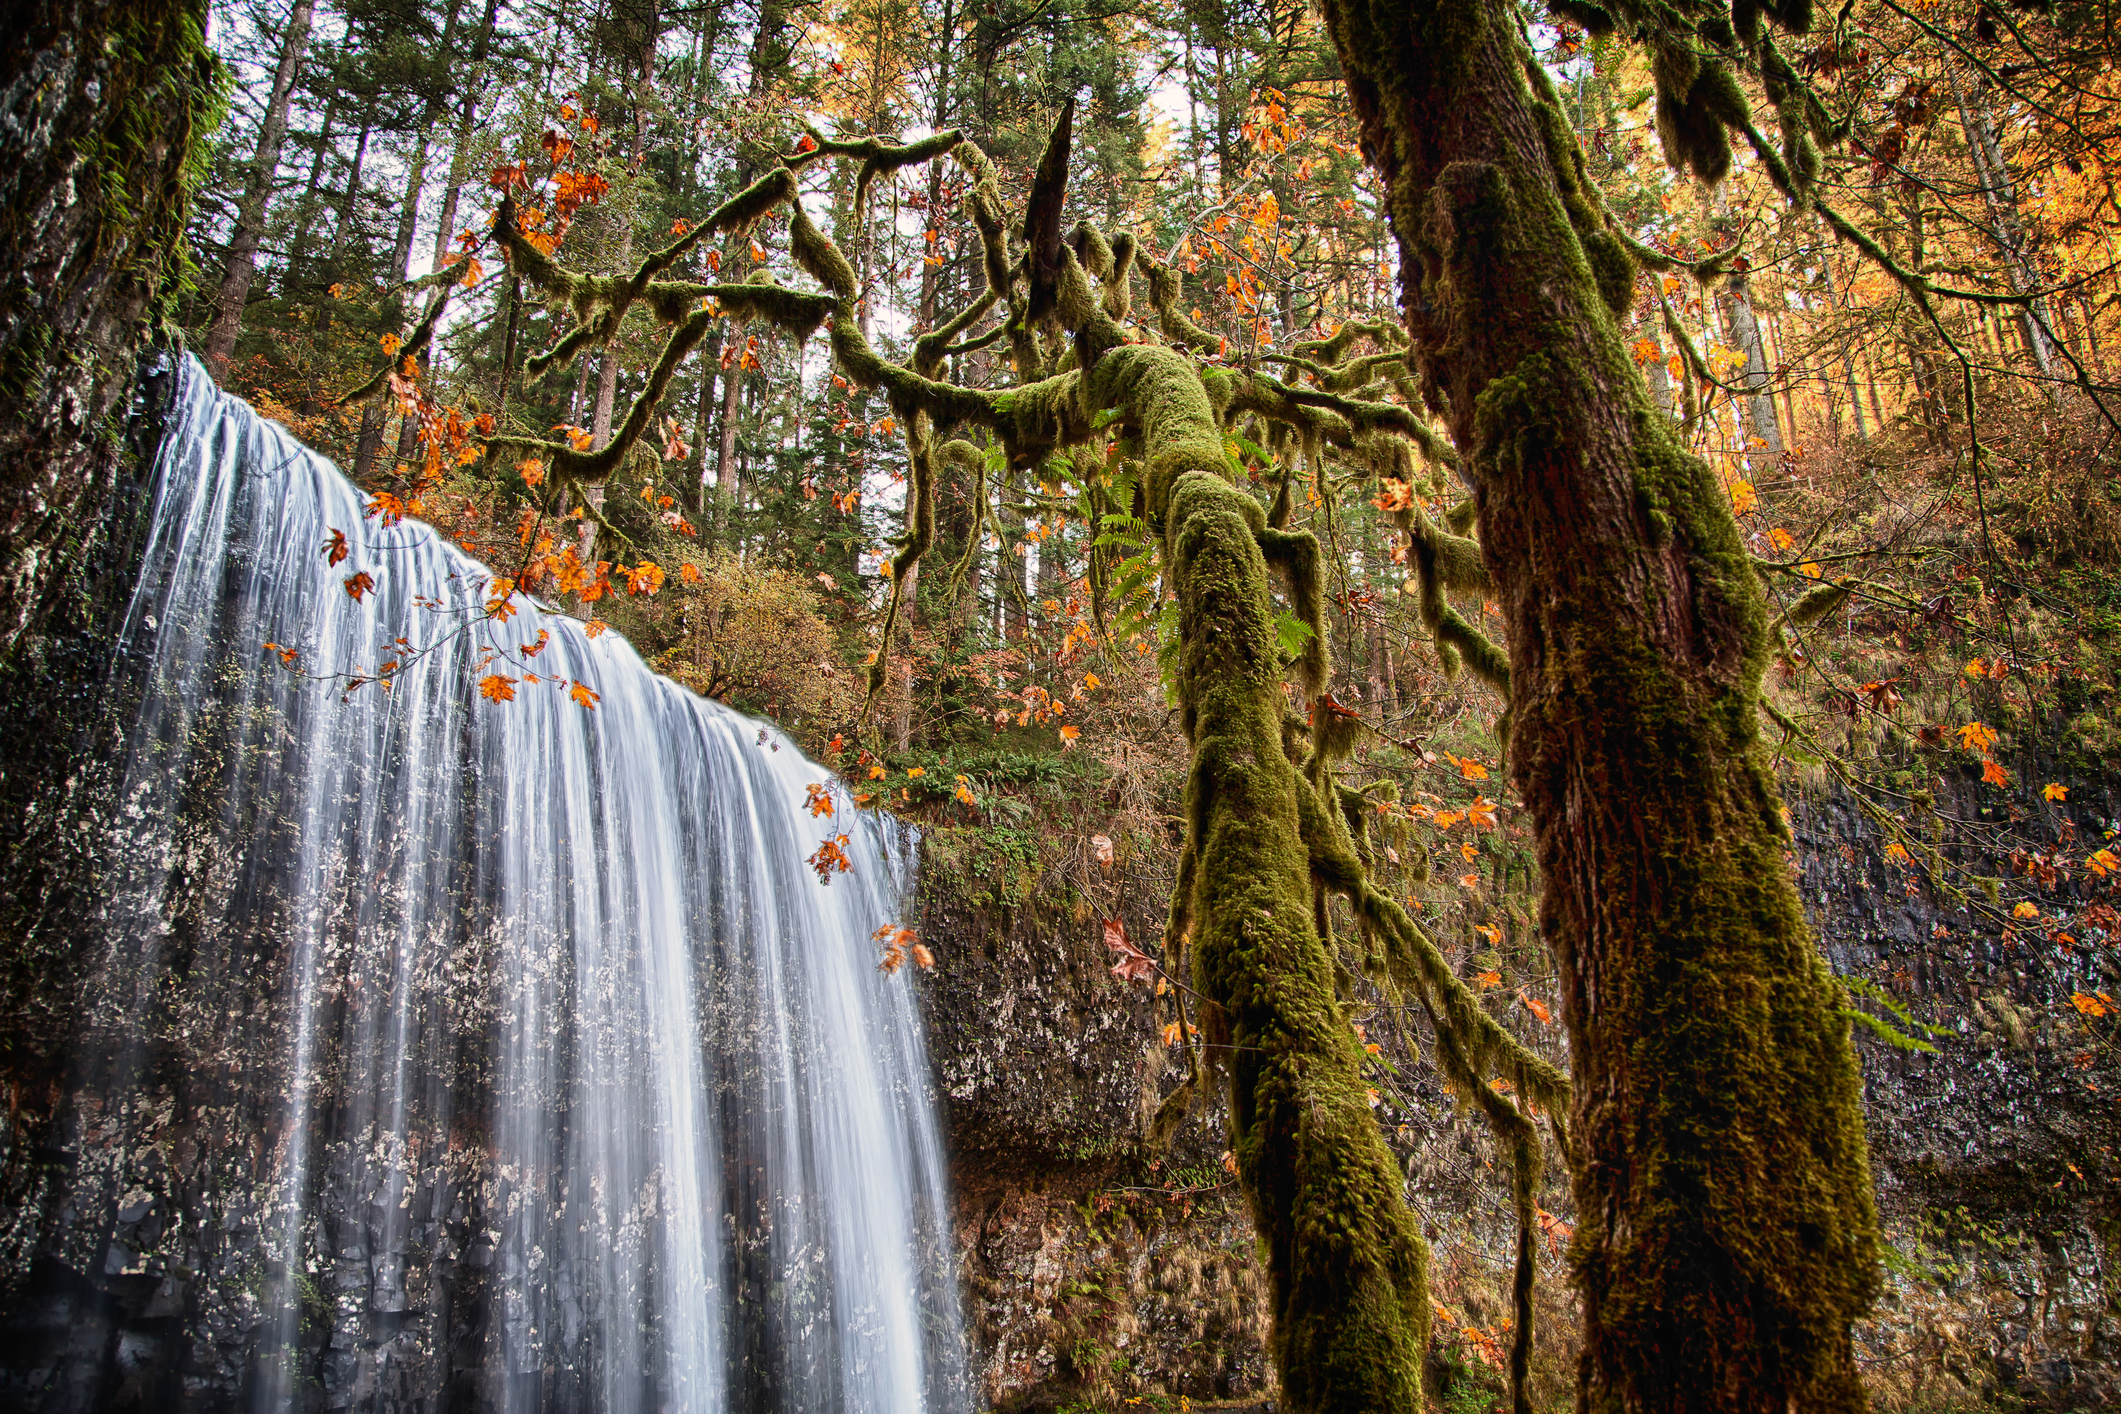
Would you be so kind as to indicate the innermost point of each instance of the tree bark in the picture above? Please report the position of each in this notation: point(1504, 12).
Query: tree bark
point(1760, 419)
point(242, 264)
point(1726, 1237)
point(2035, 320)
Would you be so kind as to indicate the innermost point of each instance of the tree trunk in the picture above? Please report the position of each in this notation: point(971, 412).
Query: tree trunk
point(1726, 1237)
point(2035, 320)
point(1760, 419)
point(250, 214)
point(373, 416)
point(305, 210)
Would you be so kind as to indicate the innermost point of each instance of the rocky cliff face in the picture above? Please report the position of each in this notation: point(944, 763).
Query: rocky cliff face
point(101, 104)
point(1095, 1277)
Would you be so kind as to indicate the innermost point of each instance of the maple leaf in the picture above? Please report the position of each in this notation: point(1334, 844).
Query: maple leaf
point(1995, 775)
point(1469, 881)
point(1977, 736)
point(1810, 569)
point(497, 688)
point(819, 798)
point(1472, 770)
point(1482, 813)
point(1470, 850)
point(1068, 734)
point(1489, 931)
point(594, 627)
point(391, 343)
point(1397, 495)
point(1101, 849)
point(583, 697)
point(1537, 1007)
point(1447, 819)
point(1488, 979)
point(2092, 1004)
point(1134, 965)
point(831, 855)
point(2102, 863)
point(1781, 539)
point(335, 548)
point(916, 772)
point(1881, 694)
point(2054, 791)
point(1897, 853)
point(2025, 910)
point(359, 584)
point(1976, 668)
point(922, 958)
point(472, 271)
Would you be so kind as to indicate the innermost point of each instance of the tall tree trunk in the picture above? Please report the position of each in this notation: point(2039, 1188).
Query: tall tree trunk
point(1760, 419)
point(373, 416)
point(242, 264)
point(2035, 320)
point(1727, 1238)
point(312, 403)
point(305, 210)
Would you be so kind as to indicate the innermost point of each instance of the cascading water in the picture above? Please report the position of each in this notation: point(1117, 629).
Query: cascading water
point(447, 1053)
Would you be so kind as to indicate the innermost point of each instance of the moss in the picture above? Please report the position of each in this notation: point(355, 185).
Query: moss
point(1726, 1239)
point(1347, 1266)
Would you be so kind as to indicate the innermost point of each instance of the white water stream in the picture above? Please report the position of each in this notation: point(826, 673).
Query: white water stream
point(571, 963)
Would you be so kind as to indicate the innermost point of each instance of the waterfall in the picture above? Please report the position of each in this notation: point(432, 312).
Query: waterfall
point(445, 1052)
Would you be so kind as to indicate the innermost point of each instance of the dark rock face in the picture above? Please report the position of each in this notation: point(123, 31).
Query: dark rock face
point(1994, 1155)
point(1998, 1181)
point(100, 103)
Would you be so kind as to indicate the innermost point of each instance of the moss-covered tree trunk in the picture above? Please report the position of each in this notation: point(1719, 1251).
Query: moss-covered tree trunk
point(1346, 1263)
point(1726, 1236)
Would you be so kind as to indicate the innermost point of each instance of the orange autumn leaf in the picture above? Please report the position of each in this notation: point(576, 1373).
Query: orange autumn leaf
point(583, 697)
point(1994, 775)
point(2054, 791)
point(359, 584)
point(335, 549)
point(497, 688)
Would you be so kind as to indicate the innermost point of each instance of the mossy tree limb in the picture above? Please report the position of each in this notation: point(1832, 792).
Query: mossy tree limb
point(1346, 1262)
point(1726, 1239)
